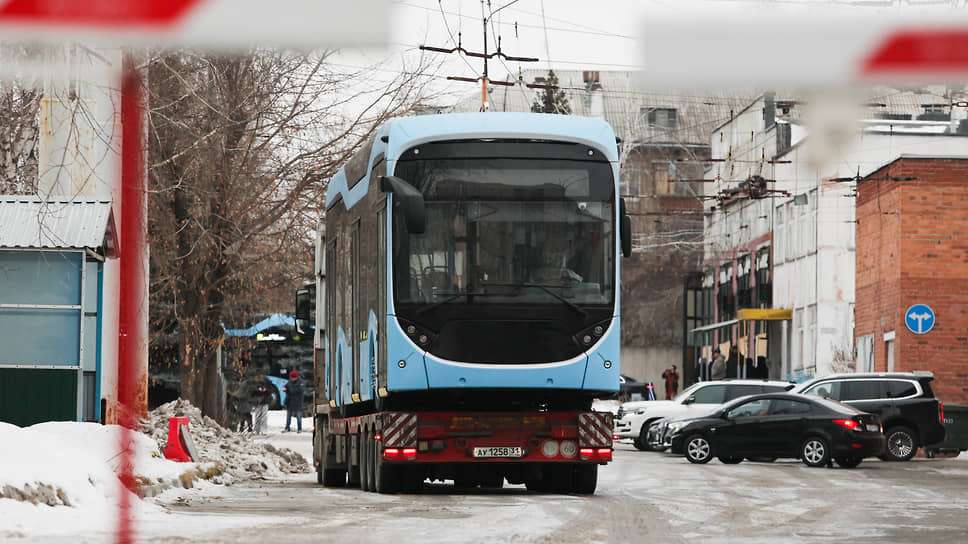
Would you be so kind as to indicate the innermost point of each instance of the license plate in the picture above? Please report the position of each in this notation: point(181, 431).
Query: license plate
point(497, 451)
point(873, 428)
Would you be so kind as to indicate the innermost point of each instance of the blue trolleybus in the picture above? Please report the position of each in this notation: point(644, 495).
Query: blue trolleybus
point(468, 304)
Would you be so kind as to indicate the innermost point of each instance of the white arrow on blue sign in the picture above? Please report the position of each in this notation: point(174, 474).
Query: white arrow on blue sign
point(919, 318)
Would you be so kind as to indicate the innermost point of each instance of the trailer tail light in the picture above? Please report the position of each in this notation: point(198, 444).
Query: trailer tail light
point(941, 411)
point(848, 424)
point(398, 454)
point(595, 454)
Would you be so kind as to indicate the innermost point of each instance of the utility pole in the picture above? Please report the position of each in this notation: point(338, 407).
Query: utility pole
point(484, 78)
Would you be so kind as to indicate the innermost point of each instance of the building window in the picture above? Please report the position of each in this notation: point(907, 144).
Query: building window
point(725, 300)
point(660, 118)
point(764, 280)
point(744, 289)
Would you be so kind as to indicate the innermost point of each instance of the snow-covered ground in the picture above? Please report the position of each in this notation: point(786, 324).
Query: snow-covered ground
point(59, 479)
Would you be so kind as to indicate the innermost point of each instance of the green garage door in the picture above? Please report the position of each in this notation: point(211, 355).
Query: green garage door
point(34, 395)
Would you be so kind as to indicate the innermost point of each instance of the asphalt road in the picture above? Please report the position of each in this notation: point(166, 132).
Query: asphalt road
point(642, 496)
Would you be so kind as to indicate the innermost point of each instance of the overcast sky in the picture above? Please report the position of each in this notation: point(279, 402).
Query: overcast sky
point(579, 34)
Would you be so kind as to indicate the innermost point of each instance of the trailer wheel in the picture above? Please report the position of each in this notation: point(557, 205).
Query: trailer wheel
point(371, 463)
point(353, 461)
point(386, 476)
point(584, 479)
point(325, 473)
point(365, 461)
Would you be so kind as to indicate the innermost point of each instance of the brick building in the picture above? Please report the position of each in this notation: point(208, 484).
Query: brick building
point(912, 248)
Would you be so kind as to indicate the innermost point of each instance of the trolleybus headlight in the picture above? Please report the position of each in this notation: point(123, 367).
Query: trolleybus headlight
point(568, 449)
point(549, 448)
point(592, 334)
point(411, 330)
point(423, 339)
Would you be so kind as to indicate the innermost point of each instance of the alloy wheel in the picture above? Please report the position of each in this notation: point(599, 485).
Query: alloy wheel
point(698, 449)
point(900, 445)
point(814, 452)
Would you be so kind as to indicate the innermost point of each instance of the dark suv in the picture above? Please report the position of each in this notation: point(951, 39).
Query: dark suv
point(910, 413)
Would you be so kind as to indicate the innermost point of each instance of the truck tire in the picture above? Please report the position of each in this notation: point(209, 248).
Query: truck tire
point(365, 461)
point(353, 461)
point(386, 476)
point(584, 479)
point(326, 474)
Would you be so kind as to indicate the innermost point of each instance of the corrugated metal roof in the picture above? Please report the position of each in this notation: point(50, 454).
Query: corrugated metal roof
point(31, 222)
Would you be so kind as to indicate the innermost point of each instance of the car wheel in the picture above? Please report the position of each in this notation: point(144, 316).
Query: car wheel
point(848, 462)
point(901, 444)
point(730, 460)
point(642, 442)
point(815, 452)
point(698, 449)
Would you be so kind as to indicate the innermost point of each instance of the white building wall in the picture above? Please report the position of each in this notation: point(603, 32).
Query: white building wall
point(79, 156)
point(814, 243)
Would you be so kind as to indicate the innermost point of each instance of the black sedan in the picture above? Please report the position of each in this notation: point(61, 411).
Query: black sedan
point(781, 425)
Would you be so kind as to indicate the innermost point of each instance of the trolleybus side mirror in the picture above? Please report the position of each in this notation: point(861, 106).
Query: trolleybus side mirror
point(305, 308)
point(625, 229)
point(410, 200)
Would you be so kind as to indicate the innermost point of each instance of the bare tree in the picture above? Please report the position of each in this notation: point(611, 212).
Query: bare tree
point(19, 131)
point(240, 151)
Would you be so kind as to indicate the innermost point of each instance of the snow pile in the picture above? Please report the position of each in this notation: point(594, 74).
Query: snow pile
point(75, 464)
point(236, 455)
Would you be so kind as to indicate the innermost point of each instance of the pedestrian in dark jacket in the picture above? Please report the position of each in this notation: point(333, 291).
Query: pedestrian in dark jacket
point(732, 363)
point(260, 399)
point(294, 400)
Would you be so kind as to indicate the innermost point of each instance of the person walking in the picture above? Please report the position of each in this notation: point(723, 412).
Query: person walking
point(260, 410)
point(294, 400)
point(718, 366)
point(671, 378)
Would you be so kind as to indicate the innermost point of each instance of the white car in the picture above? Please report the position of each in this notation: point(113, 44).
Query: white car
point(633, 418)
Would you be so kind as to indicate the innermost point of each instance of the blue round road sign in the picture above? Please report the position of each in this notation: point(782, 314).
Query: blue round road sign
point(919, 318)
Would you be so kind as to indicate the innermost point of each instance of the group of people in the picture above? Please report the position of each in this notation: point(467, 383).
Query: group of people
point(720, 367)
point(261, 396)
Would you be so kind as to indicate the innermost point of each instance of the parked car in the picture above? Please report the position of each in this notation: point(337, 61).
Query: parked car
point(634, 418)
point(905, 402)
point(813, 429)
point(631, 389)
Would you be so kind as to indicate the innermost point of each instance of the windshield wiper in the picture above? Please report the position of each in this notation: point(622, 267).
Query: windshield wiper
point(544, 288)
